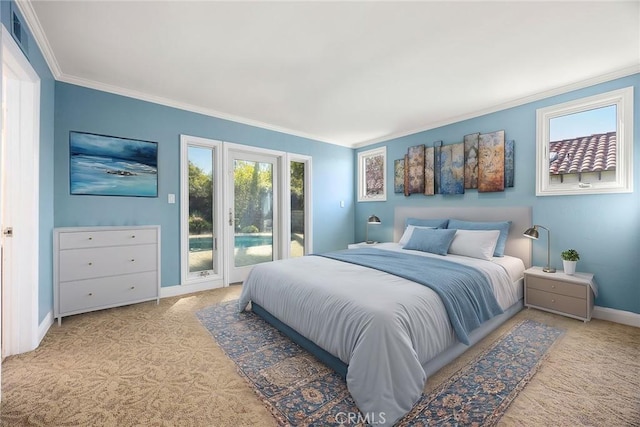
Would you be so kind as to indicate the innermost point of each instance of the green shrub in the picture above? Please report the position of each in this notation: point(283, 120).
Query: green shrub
point(198, 225)
point(250, 229)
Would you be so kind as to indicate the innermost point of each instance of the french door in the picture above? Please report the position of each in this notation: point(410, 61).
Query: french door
point(240, 206)
point(252, 210)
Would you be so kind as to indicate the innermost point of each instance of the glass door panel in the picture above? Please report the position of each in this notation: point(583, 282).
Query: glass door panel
point(253, 212)
point(201, 210)
point(297, 185)
point(253, 207)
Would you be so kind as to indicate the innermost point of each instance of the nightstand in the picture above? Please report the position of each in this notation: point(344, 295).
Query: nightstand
point(361, 245)
point(568, 295)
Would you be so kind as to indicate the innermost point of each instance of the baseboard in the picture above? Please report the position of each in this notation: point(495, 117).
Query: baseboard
point(177, 290)
point(618, 316)
point(44, 326)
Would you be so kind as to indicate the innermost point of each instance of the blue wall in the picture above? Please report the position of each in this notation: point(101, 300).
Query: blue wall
point(605, 229)
point(47, 90)
point(610, 249)
point(87, 110)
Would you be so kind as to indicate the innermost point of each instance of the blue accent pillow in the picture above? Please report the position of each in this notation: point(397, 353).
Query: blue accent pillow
point(501, 226)
point(433, 240)
point(435, 223)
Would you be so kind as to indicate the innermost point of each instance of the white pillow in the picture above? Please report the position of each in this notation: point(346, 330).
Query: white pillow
point(475, 243)
point(408, 232)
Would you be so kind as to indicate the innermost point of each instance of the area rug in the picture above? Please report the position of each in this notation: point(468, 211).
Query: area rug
point(301, 391)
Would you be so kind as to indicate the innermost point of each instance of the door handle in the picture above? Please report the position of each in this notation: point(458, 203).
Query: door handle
point(8, 232)
point(230, 217)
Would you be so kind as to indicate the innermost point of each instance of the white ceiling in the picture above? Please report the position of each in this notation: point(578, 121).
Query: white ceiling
point(348, 73)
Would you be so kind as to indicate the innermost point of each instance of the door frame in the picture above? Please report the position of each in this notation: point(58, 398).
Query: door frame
point(229, 148)
point(20, 328)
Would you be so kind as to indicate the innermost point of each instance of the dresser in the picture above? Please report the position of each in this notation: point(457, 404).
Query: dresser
point(102, 267)
point(560, 293)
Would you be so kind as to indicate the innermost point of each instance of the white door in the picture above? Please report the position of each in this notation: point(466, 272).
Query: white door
point(19, 207)
point(252, 216)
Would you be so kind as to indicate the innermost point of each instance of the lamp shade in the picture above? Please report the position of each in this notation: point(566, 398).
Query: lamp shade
point(373, 220)
point(531, 233)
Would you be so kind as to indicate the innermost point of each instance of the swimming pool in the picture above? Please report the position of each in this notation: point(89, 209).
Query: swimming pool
point(204, 243)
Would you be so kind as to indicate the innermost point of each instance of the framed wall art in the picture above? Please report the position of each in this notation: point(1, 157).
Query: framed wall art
point(103, 165)
point(372, 175)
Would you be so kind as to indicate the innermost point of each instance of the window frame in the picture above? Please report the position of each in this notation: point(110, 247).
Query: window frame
point(363, 156)
point(623, 100)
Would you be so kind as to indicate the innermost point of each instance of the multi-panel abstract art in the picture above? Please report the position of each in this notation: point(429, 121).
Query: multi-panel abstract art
point(482, 161)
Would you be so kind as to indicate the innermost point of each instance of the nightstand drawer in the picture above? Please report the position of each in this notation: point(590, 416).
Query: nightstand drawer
point(556, 302)
point(557, 287)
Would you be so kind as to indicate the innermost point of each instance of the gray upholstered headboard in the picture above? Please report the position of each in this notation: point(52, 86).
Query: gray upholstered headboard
point(520, 217)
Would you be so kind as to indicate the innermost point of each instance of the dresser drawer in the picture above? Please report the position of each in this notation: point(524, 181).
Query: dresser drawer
point(557, 302)
point(77, 264)
point(557, 287)
point(93, 239)
point(85, 295)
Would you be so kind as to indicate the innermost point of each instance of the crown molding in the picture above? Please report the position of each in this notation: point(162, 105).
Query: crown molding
point(26, 9)
point(624, 72)
point(129, 93)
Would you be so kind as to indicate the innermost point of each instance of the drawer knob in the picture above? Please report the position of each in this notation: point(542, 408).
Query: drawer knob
point(553, 286)
point(90, 238)
point(133, 236)
point(90, 263)
point(553, 301)
point(133, 287)
point(132, 260)
point(90, 294)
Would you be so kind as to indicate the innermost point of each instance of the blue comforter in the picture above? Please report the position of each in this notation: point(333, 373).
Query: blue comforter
point(466, 293)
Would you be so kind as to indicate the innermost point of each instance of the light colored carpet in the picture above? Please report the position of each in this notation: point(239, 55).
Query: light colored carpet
point(151, 364)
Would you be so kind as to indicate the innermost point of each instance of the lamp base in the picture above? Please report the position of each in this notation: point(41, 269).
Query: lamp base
point(548, 269)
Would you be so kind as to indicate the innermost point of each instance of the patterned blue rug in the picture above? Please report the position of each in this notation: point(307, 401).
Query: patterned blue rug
point(301, 391)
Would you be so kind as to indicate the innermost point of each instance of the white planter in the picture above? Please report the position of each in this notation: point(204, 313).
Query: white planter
point(569, 267)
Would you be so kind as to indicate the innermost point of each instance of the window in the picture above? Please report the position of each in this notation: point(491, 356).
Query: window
point(372, 180)
point(585, 146)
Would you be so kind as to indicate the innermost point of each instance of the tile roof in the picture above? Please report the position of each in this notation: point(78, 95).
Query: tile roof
point(593, 153)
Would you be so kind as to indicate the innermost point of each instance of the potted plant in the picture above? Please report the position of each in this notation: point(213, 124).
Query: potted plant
point(570, 258)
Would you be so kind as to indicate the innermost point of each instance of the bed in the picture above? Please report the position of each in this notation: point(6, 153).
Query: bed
point(389, 316)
